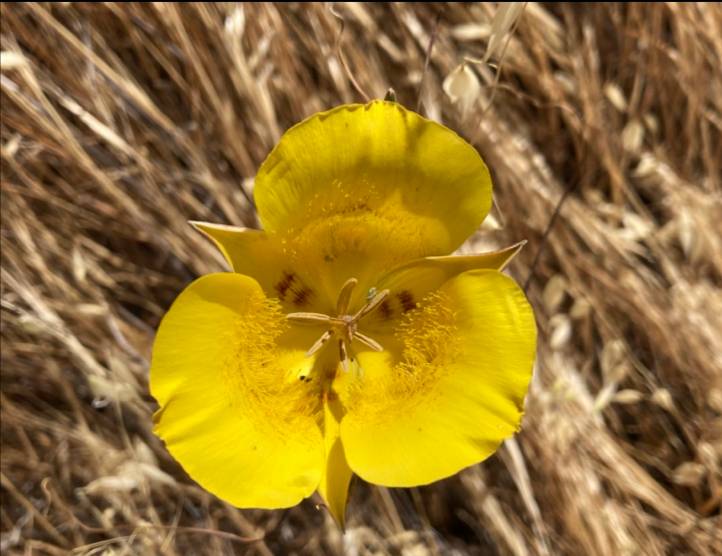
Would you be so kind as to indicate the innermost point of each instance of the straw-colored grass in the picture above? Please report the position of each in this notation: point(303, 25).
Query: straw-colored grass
point(122, 122)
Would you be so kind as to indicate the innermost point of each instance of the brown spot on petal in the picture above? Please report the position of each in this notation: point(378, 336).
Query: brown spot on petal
point(406, 298)
point(302, 296)
point(285, 283)
point(385, 310)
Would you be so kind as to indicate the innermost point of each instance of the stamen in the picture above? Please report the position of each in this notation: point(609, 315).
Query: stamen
point(318, 344)
point(343, 354)
point(372, 305)
point(308, 318)
point(369, 342)
point(343, 325)
point(345, 296)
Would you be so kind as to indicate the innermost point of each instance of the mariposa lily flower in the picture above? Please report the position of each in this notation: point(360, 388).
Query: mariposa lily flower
point(346, 340)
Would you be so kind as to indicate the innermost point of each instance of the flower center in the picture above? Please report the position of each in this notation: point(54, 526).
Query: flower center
point(343, 326)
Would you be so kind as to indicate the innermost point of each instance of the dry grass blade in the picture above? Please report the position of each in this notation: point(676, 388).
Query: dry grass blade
point(121, 122)
point(504, 19)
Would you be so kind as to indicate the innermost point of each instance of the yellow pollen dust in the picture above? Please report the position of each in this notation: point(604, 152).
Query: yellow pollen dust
point(344, 326)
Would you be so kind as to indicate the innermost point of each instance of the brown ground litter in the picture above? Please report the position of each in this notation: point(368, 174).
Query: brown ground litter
point(122, 122)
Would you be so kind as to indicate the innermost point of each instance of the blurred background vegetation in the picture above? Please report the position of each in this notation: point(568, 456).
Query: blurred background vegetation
point(120, 122)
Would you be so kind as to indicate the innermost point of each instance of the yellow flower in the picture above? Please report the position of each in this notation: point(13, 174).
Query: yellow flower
point(345, 340)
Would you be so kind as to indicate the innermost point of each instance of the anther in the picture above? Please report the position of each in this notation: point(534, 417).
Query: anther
point(318, 344)
point(345, 296)
point(343, 354)
point(308, 318)
point(371, 306)
point(369, 342)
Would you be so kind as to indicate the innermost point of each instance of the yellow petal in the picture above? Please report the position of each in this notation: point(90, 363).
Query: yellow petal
point(225, 371)
point(336, 476)
point(410, 282)
point(374, 183)
point(261, 256)
point(448, 389)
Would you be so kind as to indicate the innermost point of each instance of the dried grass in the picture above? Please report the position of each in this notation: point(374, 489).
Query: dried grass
point(122, 122)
